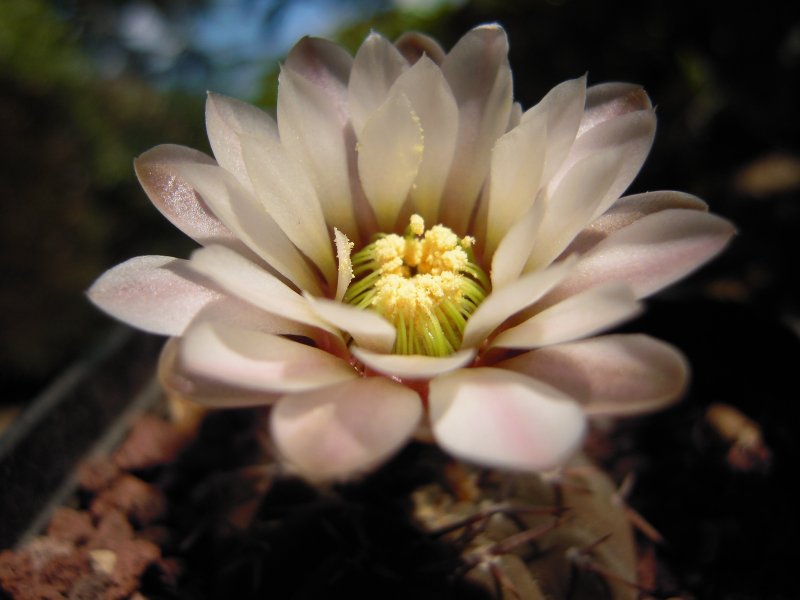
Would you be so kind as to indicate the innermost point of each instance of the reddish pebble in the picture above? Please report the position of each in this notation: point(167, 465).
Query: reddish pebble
point(70, 525)
point(150, 443)
point(139, 501)
point(97, 473)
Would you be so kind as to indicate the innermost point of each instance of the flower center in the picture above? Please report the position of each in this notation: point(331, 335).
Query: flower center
point(425, 282)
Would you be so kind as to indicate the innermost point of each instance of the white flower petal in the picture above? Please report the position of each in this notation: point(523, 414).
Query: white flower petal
point(245, 216)
point(516, 171)
point(649, 254)
point(376, 66)
point(312, 131)
point(509, 260)
point(478, 72)
point(432, 101)
point(571, 206)
point(258, 361)
point(368, 328)
point(609, 375)
point(327, 66)
point(179, 384)
point(607, 101)
point(290, 199)
point(247, 281)
point(414, 45)
point(562, 109)
point(158, 294)
point(389, 155)
point(412, 366)
point(344, 265)
point(176, 199)
point(502, 419)
point(509, 300)
point(596, 309)
point(226, 120)
point(344, 430)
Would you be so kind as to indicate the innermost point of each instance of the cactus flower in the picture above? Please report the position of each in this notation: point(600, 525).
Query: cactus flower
point(404, 251)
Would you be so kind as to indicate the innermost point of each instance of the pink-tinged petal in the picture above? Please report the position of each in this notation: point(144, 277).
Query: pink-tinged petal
point(376, 66)
point(312, 130)
point(631, 134)
point(177, 383)
point(626, 211)
point(509, 260)
point(288, 195)
point(226, 120)
point(509, 300)
point(258, 361)
point(498, 418)
point(412, 366)
point(561, 109)
point(326, 65)
point(158, 294)
point(649, 254)
point(344, 265)
point(609, 375)
point(249, 282)
point(413, 46)
point(389, 155)
point(433, 103)
point(516, 172)
point(344, 430)
point(367, 328)
point(480, 78)
point(594, 310)
point(232, 311)
point(607, 101)
point(571, 206)
point(176, 199)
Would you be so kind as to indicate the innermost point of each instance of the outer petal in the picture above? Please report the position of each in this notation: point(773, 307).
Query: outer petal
point(649, 254)
point(596, 309)
point(478, 72)
point(609, 375)
point(290, 199)
point(414, 366)
point(607, 101)
point(158, 294)
point(376, 66)
point(242, 212)
point(326, 65)
point(258, 361)
point(226, 120)
point(176, 199)
point(502, 419)
point(343, 430)
point(414, 45)
point(389, 155)
point(368, 328)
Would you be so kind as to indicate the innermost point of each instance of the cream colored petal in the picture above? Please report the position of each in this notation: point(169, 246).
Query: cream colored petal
point(509, 260)
point(516, 172)
point(226, 120)
point(628, 210)
point(509, 300)
point(609, 375)
point(368, 328)
point(498, 418)
point(230, 310)
point(480, 78)
point(176, 199)
point(413, 366)
point(258, 361)
point(158, 294)
point(290, 199)
point(247, 281)
point(312, 130)
point(594, 310)
point(432, 101)
point(376, 66)
point(414, 45)
point(327, 66)
point(345, 266)
point(178, 384)
point(607, 101)
point(651, 253)
point(344, 430)
point(631, 134)
point(389, 155)
point(572, 205)
point(562, 109)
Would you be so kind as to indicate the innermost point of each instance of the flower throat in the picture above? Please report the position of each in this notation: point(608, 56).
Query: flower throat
point(425, 282)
